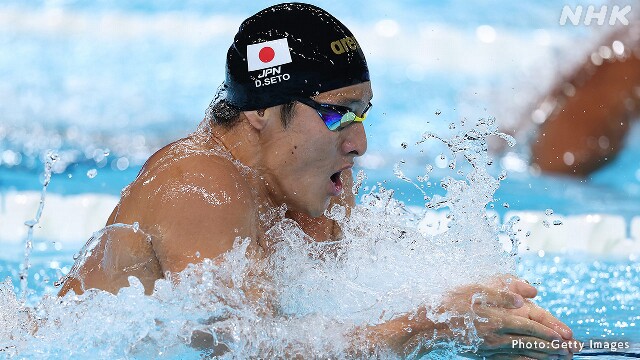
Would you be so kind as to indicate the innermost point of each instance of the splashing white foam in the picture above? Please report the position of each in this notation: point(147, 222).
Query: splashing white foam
point(306, 298)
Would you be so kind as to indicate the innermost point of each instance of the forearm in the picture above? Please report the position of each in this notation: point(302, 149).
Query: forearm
point(403, 335)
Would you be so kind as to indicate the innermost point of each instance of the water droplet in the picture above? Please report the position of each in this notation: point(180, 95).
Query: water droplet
point(557, 222)
point(545, 223)
point(92, 173)
point(360, 177)
point(505, 205)
point(404, 145)
point(136, 226)
point(548, 212)
point(438, 112)
point(452, 126)
point(528, 234)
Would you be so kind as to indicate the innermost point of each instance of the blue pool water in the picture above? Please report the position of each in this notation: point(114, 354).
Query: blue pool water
point(106, 83)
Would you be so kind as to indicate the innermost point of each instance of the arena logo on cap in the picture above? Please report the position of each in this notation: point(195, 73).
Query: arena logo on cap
point(344, 45)
point(268, 54)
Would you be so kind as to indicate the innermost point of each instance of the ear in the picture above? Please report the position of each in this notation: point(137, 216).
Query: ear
point(257, 118)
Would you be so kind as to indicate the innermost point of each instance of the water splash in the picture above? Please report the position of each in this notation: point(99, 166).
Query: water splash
point(306, 298)
point(50, 159)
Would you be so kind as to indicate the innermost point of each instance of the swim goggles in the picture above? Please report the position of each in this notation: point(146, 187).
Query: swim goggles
point(336, 117)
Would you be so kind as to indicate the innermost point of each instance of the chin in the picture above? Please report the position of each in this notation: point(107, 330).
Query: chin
point(319, 211)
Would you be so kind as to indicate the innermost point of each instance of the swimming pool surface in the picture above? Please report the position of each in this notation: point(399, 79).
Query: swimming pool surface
point(106, 83)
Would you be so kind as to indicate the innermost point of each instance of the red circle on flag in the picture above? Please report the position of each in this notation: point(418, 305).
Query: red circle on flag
point(266, 54)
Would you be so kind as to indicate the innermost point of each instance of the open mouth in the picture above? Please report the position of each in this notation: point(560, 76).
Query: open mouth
point(337, 182)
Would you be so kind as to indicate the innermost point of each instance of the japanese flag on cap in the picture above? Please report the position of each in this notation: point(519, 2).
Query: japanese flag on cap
point(298, 37)
point(268, 54)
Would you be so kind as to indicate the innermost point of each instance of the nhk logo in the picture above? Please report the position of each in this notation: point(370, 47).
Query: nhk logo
point(615, 15)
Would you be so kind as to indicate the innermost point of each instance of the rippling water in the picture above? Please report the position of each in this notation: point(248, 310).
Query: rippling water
point(107, 83)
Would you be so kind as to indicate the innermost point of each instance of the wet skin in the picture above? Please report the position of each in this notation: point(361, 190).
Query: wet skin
point(591, 124)
point(194, 197)
point(586, 130)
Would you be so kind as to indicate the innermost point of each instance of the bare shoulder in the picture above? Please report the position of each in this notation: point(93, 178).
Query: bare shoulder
point(193, 200)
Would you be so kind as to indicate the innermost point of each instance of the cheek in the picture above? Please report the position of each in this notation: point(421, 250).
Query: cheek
point(312, 155)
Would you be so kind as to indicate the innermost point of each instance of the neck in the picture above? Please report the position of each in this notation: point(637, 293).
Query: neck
point(241, 141)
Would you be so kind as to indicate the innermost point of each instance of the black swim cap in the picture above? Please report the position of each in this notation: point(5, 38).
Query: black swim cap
point(287, 51)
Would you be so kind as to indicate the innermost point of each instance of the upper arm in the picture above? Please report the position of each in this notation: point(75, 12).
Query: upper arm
point(194, 211)
point(587, 128)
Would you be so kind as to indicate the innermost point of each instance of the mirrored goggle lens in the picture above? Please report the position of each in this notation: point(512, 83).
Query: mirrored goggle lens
point(331, 119)
point(335, 117)
point(336, 121)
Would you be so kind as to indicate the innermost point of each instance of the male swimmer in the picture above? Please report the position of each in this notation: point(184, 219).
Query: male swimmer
point(284, 130)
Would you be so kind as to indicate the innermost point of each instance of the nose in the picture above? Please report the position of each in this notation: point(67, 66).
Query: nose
point(354, 140)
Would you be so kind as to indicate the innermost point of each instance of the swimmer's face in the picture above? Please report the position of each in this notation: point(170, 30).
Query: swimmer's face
point(303, 162)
